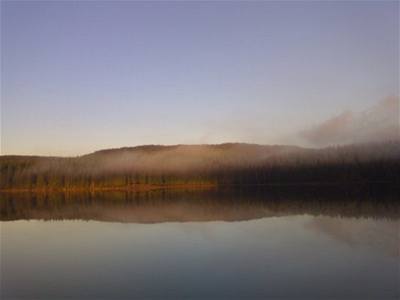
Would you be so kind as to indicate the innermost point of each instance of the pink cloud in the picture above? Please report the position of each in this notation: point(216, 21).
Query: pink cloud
point(378, 123)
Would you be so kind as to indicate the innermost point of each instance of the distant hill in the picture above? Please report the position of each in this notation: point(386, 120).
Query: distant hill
point(225, 204)
point(230, 163)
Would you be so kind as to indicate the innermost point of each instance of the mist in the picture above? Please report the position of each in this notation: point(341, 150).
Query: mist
point(232, 164)
point(375, 124)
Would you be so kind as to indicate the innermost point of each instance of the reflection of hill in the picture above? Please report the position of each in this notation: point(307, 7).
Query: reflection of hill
point(183, 206)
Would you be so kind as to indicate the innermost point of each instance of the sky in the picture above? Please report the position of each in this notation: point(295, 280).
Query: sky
point(79, 76)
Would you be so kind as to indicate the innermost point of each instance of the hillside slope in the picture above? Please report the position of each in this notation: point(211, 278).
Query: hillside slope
point(233, 163)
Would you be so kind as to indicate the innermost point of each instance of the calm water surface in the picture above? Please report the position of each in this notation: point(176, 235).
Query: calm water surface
point(199, 245)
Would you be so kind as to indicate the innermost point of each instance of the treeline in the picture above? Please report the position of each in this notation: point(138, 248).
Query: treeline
point(227, 203)
point(226, 164)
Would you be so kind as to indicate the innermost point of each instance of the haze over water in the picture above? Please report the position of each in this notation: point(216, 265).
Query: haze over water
point(190, 245)
point(199, 150)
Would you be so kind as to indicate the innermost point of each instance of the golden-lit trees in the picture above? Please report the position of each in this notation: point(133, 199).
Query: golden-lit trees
point(228, 164)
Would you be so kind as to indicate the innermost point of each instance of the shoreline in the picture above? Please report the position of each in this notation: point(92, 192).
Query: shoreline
point(132, 188)
point(190, 186)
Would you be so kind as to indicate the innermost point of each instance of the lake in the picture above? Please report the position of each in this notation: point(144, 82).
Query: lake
point(219, 244)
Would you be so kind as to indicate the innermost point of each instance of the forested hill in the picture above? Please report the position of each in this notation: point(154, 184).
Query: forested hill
point(223, 164)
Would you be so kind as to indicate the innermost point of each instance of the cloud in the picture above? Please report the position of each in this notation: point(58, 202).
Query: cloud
point(379, 236)
point(378, 123)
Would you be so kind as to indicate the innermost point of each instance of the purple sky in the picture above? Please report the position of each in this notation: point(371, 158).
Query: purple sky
point(86, 75)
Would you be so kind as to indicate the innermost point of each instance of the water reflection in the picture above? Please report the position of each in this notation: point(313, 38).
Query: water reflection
point(380, 235)
point(219, 244)
point(195, 206)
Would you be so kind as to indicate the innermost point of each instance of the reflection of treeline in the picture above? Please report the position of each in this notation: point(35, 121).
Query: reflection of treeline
point(227, 164)
point(219, 204)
